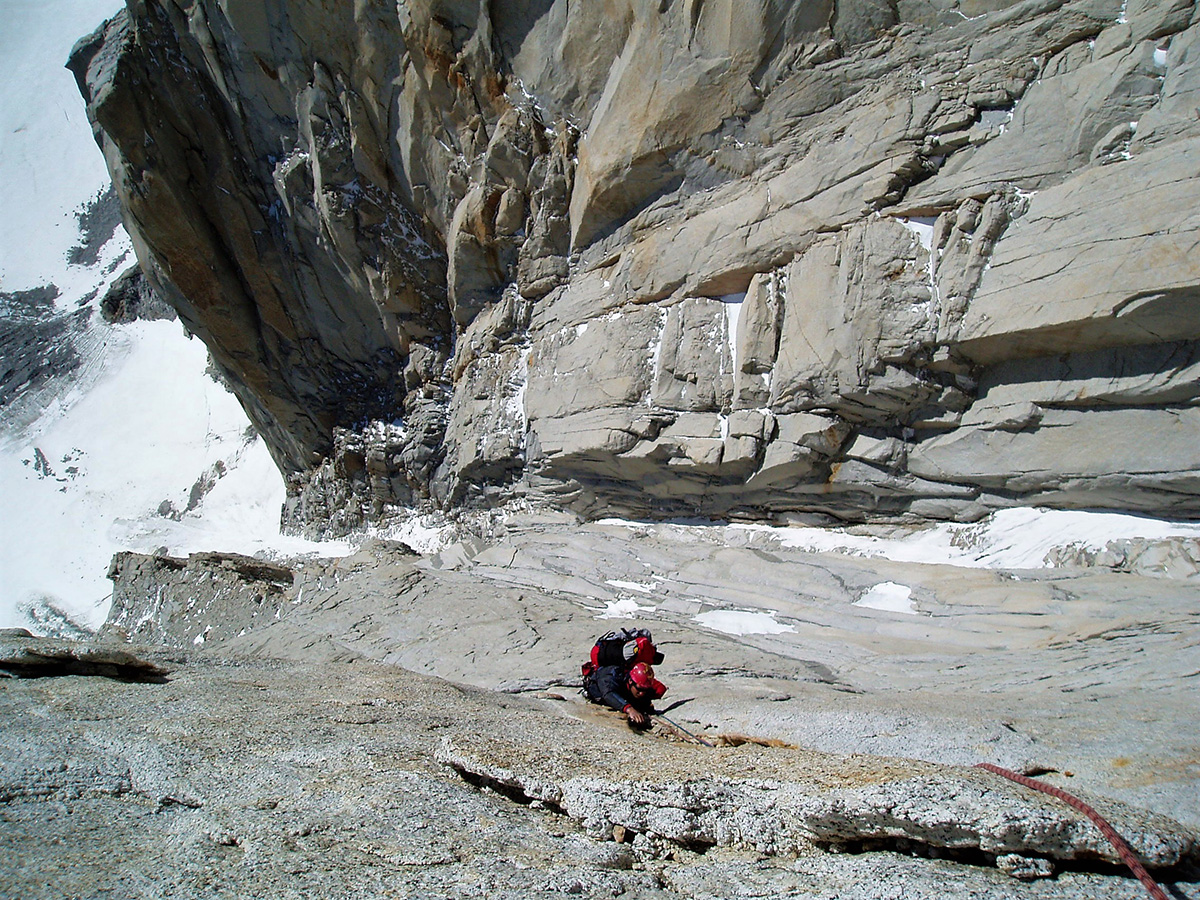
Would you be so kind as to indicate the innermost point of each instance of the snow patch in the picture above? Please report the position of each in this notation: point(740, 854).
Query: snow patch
point(426, 535)
point(654, 349)
point(1018, 538)
point(922, 227)
point(513, 400)
point(639, 586)
point(740, 622)
point(889, 597)
point(998, 118)
point(733, 312)
point(625, 608)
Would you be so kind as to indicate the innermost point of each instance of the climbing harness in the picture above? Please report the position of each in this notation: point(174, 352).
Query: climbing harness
point(1122, 848)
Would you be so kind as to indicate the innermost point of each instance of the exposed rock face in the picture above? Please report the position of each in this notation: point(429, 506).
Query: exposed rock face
point(859, 259)
point(285, 709)
point(248, 778)
point(244, 591)
point(132, 298)
point(37, 345)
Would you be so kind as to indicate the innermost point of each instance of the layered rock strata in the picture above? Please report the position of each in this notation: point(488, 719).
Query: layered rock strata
point(844, 258)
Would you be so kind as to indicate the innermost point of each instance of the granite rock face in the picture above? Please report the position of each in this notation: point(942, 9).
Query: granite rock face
point(843, 259)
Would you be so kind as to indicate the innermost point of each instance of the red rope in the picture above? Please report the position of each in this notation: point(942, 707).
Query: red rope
point(1122, 848)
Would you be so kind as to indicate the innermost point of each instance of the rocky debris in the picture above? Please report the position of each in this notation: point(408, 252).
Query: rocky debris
point(182, 602)
point(98, 221)
point(365, 475)
point(1177, 558)
point(856, 260)
point(42, 615)
point(24, 656)
point(42, 349)
point(131, 298)
point(36, 342)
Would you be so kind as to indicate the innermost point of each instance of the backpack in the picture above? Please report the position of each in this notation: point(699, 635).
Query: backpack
point(618, 648)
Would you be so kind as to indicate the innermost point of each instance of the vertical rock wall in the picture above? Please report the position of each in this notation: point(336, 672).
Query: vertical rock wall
point(847, 258)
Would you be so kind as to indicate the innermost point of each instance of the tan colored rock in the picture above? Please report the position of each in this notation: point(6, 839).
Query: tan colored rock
point(1107, 258)
point(515, 243)
point(802, 445)
point(1178, 60)
point(1054, 129)
point(855, 304)
point(1078, 458)
point(694, 357)
point(485, 431)
point(757, 340)
point(712, 49)
point(596, 364)
point(610, 431)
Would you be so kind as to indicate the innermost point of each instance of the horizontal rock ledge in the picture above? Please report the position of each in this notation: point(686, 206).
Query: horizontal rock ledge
point(780, 800)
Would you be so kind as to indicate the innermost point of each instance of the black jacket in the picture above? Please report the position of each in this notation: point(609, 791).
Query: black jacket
point(609, 685)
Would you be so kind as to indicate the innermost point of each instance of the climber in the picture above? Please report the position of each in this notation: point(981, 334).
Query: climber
point(629, 690)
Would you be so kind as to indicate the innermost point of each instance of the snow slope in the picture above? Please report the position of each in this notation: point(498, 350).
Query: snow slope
point(1018, 538)
point(140, 449)
point(49, 163)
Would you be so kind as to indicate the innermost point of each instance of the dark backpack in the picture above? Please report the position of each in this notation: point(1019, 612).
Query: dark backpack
point(609, 649)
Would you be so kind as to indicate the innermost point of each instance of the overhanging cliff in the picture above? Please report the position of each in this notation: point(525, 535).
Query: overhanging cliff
point(863, 259)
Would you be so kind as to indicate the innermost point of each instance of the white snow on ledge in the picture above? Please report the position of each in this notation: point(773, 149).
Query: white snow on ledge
point(1019, 538)
point(738, 622)
point(641, 587)
point(1009, 539)
point(922, 228)
point(888, 596)
point(625, 608)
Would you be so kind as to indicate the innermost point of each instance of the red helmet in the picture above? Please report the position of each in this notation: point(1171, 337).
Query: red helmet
point(642, 675)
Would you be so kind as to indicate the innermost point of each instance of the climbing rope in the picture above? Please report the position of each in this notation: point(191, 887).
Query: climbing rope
point(1122, 848)
point(682, 730)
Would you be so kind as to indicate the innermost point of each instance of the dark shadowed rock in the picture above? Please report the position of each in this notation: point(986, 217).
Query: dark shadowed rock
point(24, 656)
point(131, 298)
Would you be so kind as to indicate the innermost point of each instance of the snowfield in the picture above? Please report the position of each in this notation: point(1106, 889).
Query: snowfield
point(141, 450)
